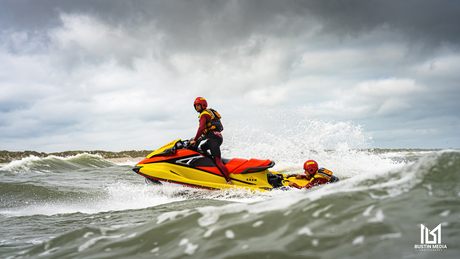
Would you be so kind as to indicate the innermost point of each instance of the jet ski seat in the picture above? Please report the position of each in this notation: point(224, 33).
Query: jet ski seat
point(243, 166)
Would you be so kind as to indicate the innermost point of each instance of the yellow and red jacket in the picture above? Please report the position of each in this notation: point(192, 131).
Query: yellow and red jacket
point(209, 121)
point(322, 176)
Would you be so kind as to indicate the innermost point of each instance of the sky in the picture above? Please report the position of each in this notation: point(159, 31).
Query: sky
point(123, 75)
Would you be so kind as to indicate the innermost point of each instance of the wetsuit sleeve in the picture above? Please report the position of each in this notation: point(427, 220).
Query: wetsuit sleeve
point(311, 184)
point(204, 119)
point(296, 186)
point(320, 181)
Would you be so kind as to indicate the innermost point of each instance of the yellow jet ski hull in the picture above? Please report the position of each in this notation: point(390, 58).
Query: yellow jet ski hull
point(174, 163)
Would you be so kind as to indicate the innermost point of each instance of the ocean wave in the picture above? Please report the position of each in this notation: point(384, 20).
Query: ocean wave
point(376, 215)
point(52, 163)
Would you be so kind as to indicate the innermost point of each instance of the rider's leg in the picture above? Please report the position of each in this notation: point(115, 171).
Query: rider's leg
point(214, 146)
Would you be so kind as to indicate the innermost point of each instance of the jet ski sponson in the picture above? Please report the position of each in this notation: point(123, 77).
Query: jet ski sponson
point(179, 163)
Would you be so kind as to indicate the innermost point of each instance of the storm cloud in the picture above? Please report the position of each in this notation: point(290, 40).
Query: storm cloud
point(104, 74)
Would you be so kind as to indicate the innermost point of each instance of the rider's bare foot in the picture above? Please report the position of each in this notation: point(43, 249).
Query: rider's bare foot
point(230, 182)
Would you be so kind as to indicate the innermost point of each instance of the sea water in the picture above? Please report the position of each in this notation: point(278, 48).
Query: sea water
point(88, 207)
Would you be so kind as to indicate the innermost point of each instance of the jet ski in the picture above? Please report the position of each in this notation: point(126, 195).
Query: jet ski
point(180, 163)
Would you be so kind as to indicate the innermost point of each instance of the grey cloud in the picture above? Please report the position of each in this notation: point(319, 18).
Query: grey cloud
point(164, 28)
point(205, 23)
point(236, 53)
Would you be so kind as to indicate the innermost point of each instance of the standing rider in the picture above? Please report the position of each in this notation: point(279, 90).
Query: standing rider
point(211, 127)
point(314, 175)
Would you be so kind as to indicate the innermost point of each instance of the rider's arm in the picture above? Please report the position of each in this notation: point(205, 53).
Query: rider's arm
point(295, 185)
point(308, 186)
point(204, 119)
point(314, 182)
point(311, 183)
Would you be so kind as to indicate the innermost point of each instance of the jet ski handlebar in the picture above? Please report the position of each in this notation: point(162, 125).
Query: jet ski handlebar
point(181, 144)
point(185, 144)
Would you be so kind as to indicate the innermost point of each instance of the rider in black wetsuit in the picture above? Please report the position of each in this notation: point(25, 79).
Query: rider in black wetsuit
point(211, 127)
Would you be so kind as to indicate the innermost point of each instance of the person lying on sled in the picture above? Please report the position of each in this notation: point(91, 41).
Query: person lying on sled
point(314, 175)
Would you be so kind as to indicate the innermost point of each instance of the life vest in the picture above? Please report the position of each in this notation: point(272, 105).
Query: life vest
point(325, 174)
point(214, 124)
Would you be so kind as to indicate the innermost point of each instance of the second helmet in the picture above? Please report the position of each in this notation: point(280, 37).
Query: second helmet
point(311, 166)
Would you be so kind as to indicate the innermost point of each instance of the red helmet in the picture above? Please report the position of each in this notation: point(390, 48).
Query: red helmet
point(311, 166)
point(201, 101)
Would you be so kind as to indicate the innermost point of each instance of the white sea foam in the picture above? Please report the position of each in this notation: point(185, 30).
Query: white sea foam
point(93, 241)
point(229, 234)
point(116, 196)
point(22, 164)
point(384, 181)
point(171, 215)
point(258, 224)
point(208, 233)
point(367, 212)
point(390, 236)
point(305, 231)
point(379, 216)
point(359, 240)
point(26, 163)
point(190, 248)
point(336, 146)
point(286, 199)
